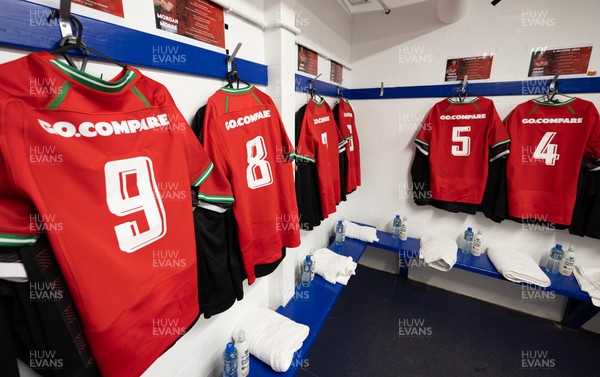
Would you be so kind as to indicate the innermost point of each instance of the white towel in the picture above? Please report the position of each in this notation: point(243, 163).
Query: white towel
point(14, 272)
point(438, 252)
point(588, 278)
point(517, 266)
point(271, 337)
point(359, 232)
point(333, 267)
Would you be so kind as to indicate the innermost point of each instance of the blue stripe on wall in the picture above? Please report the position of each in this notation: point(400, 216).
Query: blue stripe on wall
point(322, 87)
point(24, 26)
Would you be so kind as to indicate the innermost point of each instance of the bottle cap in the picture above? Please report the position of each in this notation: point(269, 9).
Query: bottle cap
point(241, 336)
point(558, 246)
point(397, 216)
point(308, 258)
point(229, 347)
point(470, 229)
point(339, 222)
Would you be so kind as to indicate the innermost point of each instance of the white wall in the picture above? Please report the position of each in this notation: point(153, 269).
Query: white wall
point(410, 47)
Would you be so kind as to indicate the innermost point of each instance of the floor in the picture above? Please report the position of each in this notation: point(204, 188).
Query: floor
point(385, 326)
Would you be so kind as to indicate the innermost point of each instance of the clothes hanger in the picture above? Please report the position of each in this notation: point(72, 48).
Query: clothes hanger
point(232, 70)
point(68, 43)
point(550, 96)
point(312, 90)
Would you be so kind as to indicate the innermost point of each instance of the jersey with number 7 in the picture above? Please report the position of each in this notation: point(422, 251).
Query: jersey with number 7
point(460, 139)
point(549, 141)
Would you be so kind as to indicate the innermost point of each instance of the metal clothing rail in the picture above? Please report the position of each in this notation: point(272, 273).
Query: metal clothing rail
point(26, 26)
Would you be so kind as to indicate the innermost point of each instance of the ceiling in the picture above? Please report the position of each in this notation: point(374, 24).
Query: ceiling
point(363, 6)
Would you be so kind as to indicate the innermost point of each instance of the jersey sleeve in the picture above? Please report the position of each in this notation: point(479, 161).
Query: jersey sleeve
point(217, 188)
point(423, 138)
point(592, 148)
point(498, 139)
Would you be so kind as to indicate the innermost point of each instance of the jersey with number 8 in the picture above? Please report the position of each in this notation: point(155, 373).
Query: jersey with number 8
point(246, 139)
point(548, 142)
point(106, 167)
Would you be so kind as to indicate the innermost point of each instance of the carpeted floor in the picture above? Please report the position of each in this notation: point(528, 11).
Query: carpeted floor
point(385, 326)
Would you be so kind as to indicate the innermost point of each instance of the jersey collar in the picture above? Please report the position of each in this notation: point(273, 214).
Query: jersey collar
point(455, 102)
point(537, 102)
point(92, 82)
point(245, 90)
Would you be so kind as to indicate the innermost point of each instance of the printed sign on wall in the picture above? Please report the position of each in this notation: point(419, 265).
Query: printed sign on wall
point(567, 61)
point(308, 61)
point(114, 7)
point(476, 67)
point(337, 72)
point(197, 19)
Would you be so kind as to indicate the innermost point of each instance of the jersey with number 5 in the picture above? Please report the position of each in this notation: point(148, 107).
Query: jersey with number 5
point(245, 137)
point(549, 141)
point(460, 139)
point(105, 169)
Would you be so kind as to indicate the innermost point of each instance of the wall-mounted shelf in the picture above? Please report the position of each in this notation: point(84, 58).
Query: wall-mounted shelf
point(23, 27)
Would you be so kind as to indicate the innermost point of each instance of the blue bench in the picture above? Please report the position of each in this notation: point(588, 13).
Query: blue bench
point(311, 305)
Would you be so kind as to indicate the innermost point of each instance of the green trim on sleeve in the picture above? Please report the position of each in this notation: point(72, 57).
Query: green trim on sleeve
point(301, 157)
point(533, 111)
point(422, 142)
point(221, 199)
point(204, 175)
point(500, 143)
point(57, 100)
point(140, 96)
point(16, 240)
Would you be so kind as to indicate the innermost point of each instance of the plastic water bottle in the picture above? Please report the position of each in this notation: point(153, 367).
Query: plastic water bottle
point(243, 354)
point(568, 262)
point(396, 227)
point(339, 233)
point(306, 270)
point(230, 361)
point(477, 243)
point(403, 235)
point(555, 259)
point(312, 265)
point(467, 244)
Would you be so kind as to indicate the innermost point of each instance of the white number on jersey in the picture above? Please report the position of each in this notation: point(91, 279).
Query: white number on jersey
point(351, 140)
point(144, 197)
point(258, 172)
point(465, 148)
point(546, 151)
point(324, 139)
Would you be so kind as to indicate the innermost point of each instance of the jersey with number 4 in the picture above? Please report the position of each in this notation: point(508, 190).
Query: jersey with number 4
point(104, 168)
point(460, 139)
point(548, 144)
point(246, 139)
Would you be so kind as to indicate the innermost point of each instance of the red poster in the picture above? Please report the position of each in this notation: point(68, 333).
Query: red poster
point(114, 7)
point(476, 67)
point(567, 61)
point(197, 19)
point(337, 72)
point(308, 61)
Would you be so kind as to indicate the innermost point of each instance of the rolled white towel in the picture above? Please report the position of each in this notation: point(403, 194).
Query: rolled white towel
point(333, 267)
point(518, 267)
point(588, 278)
point(271, 337)
point(438, 252)
point(359, 232)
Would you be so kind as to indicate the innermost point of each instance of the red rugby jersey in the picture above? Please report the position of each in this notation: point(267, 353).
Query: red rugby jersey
point(105, 169)
point(460, 138)
point(347, 126)
point(244, 135)
point(548, 142)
